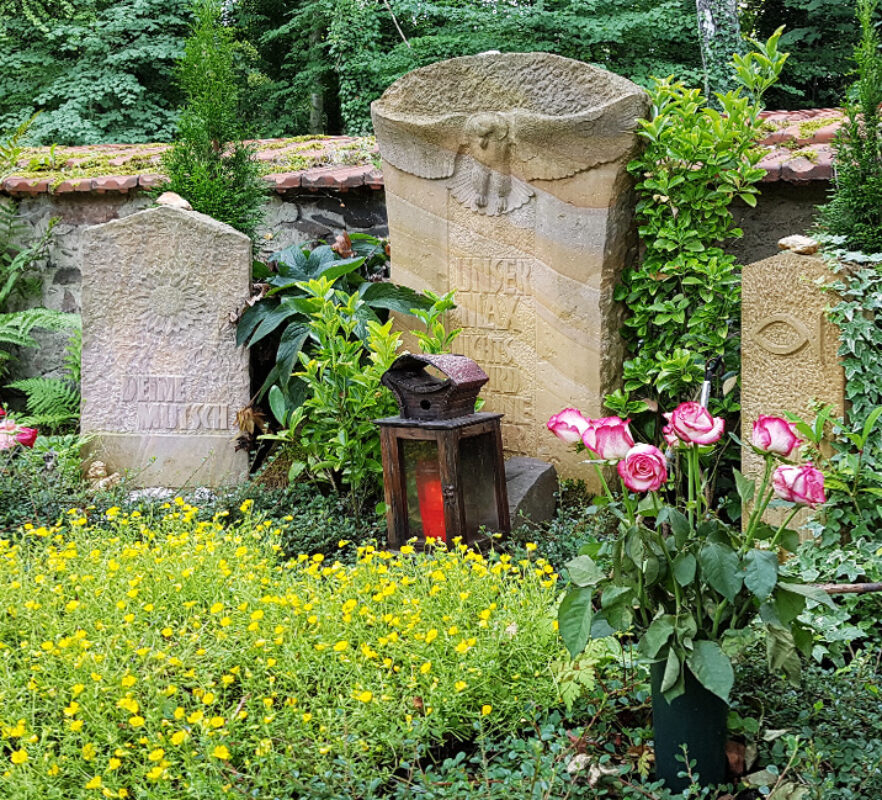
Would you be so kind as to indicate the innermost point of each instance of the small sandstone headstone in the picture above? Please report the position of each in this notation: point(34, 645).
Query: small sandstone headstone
point(162, 378)
point(531, 485)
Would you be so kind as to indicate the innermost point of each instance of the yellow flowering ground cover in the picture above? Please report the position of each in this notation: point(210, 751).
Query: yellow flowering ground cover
point(170, 657)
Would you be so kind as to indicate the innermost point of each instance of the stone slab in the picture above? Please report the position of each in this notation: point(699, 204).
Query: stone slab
point(506, 181)
point(531, 485)
point(162, 378)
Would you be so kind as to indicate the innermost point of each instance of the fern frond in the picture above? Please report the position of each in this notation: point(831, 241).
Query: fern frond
point(51, 402)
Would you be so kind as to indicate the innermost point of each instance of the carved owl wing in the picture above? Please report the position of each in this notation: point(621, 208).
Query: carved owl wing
point(554, 147)
point(421, 145)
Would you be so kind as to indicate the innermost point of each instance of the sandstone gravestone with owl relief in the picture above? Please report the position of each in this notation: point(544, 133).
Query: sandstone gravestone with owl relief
point(162, 378)
point(506, 180)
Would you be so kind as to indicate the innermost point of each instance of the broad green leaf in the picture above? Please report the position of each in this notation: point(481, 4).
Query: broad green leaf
point(614, 594)
point(278, 405)
point(789, 540)
point(574, 619)
point(250, 319)
point(761, 572)
point(811, 592)
point(788, 605)
point(684, 568)
point(584, 572)
point(712, 667)
point(720, 567)
point(781, 652)
point(600, 627)
point(679, 525)
point(673, 671)
point(656, 636)
point(295, 469)
point(746, 487)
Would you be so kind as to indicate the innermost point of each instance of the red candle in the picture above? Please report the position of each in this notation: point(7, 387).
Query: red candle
point(431, 500)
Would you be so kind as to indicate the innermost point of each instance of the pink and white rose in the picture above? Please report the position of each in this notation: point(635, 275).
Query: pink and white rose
point(774, 435)
point(803, 485)
point(692, 423)
point(608, 437)
point(671, 438)
point(568, 425)
point(12, 434)
point(644, 468)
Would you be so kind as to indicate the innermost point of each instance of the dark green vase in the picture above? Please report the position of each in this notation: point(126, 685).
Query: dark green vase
point(696, 719)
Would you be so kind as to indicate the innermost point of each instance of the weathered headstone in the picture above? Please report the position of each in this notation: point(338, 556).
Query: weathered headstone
point(162, 378)
point(788, 347)
point(505, 180)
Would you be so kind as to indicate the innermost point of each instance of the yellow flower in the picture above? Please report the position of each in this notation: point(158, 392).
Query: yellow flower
point(19, 756)
point(306, 717)
point(485, 710)
point(95, 783)
point(136, 721)
point(424, 669)
point(128, 680)
point(178, 737)
point(216, 722)
point(431, 636)
point(208, 698)
point(531, 546)
point(112, 764)
point(365, 697)
point(156, 773)
point(460, 685)
point(220, 751)
point(88, 751)
point(246, 506)
point(217, 608)
point(341, 646)
point(195, 717)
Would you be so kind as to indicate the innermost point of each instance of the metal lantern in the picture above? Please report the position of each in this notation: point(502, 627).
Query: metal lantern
point(443, 468)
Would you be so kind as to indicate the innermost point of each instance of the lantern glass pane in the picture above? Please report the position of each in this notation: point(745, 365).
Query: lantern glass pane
point(425, 501)
point(477, 458)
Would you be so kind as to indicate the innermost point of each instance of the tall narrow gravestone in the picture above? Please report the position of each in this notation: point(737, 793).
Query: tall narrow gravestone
point(162, 378)
point(506, 180)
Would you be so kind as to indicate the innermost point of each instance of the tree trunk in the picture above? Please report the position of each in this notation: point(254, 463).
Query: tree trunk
point(317, 95)
point(719, 35)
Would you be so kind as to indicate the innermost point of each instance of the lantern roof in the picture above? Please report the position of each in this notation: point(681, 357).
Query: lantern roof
point(424, 396)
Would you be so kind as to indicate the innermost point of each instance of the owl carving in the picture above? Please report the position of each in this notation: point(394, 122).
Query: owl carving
point(493, 125)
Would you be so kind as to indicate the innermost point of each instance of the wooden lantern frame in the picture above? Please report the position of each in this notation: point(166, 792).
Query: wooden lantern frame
point(448, 435)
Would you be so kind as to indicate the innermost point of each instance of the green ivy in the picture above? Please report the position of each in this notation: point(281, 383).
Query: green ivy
point(684, 298)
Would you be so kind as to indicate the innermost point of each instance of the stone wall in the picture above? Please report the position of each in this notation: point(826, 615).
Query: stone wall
point(307, 215)
point(292, 218)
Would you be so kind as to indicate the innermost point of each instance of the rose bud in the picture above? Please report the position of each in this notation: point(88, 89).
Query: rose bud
point(26, 436)
point(774, 435)
point(693, 424)
point(671, 438)
point(803, 485)
point(643, 468)
point(568, 425)
point(608, 437)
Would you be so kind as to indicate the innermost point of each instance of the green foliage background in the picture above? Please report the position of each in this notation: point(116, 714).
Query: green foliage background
point(102, 71)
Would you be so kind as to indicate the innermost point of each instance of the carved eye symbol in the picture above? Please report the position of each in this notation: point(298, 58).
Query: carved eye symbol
point(781, 334)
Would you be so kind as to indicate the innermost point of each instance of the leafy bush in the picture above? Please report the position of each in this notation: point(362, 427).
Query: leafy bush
point(684, 299)
point(178, 657)
point(39, 484)
point(208, 164)
point(334, 424)
point(282, 313)
point(99, 70)
point(826, 733)
point(855, 209)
